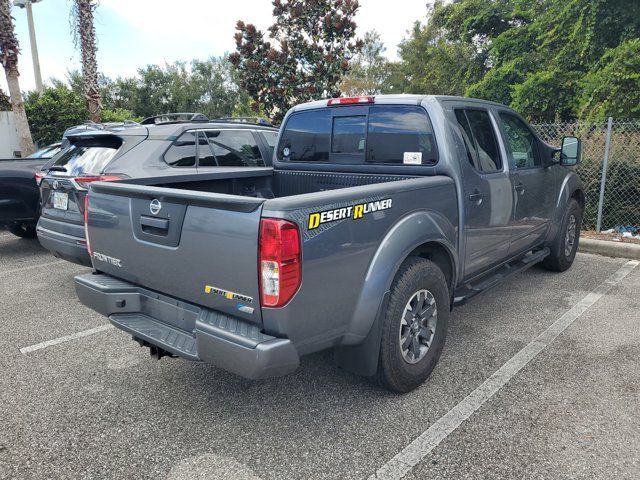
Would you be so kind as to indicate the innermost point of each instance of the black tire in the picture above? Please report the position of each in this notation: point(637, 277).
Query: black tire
point(23, 231)
point(563, 249)
point(394, 370)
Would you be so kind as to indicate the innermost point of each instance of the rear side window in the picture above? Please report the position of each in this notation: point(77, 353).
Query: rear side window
point(88, 156)
point(183, 152)
point(480, 140)
point(235, 148)
point(392, 135)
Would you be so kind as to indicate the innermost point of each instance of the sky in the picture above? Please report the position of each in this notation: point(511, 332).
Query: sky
point(134, 33)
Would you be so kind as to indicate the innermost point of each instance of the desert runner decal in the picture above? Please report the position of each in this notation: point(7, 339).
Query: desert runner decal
point(228, 295)
point(353, 212)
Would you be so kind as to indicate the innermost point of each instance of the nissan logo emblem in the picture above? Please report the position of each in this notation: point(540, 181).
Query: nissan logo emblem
point(55, 184)
point(155, 206)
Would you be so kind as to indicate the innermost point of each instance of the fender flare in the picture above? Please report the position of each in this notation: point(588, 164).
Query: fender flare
point(571, 183)
point(361, 342)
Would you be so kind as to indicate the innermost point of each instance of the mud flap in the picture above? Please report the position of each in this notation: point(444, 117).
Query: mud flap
point(362, 359)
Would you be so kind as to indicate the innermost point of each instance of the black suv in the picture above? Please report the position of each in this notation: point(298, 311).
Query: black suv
point(167, 145)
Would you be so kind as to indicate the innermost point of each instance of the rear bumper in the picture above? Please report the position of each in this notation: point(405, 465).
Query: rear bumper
point(63, 245)
point(186, 330)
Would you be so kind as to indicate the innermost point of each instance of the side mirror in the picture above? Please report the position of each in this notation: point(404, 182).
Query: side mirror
point(571, 151)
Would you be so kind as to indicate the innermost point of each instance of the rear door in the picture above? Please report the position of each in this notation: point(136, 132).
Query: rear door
point(197, 246)
point(532, 182)
point(487, 193)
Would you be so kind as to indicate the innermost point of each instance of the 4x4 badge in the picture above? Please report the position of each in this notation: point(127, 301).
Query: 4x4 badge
point(155, 206)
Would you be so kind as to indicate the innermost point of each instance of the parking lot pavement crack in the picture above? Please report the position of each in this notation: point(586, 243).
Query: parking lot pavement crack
point(419, 448)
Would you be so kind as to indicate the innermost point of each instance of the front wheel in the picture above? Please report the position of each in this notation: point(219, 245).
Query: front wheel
point(23, 231)
point(415, 325)
point(565, 245)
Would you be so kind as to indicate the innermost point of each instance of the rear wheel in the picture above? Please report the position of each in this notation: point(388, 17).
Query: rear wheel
point(565, 245)
point(23, 231)
point(415, 325)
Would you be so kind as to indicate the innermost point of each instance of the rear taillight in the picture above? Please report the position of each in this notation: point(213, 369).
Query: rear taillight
point(280, 263)
point(84, 180)
point(350, 101)
point(39, 176)
point(86, 222)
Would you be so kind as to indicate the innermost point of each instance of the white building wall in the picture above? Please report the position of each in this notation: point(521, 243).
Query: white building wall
point(8, 135)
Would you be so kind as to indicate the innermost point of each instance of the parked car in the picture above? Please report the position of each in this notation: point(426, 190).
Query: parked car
point(379, 215)
point(169, 145)
point(19, 194)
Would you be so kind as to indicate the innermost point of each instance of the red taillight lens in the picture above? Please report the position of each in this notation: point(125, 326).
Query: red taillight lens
point(350, 100)
point(280, 263)
point(86, 222)
point(84, 180)
point(39, 176)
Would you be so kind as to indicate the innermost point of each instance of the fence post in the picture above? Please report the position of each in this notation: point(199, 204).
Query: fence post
point(603, 181)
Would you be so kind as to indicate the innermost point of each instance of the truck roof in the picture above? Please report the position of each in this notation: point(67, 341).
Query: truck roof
point(398, 99)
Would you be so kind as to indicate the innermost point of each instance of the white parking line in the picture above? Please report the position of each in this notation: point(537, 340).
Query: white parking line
point(67, 338)
point(22, 269)
point(417, 450)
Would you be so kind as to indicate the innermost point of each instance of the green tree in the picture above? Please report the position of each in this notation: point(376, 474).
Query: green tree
point(312, 43)
point(59, 107)
point(613, 87)
point(53, 111)
point(547, 58)
point(5, 102)
point(369, 71)
point(205, 86)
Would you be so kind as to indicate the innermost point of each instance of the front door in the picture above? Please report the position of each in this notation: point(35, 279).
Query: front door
point(533, 184)
point(488, 199)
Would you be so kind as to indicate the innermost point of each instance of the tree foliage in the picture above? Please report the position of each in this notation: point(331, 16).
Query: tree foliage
point(369, 71)
point(60, 107)
point(547, 58)
point(310, 45)
point(5, 102)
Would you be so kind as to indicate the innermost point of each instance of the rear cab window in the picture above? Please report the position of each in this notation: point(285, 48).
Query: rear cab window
point(87, 156)
point(378, 134)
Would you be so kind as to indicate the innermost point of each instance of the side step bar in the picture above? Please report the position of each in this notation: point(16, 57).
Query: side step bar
point(498, 276)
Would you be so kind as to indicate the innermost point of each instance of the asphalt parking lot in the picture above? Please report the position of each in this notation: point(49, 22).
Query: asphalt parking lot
point(540, 378)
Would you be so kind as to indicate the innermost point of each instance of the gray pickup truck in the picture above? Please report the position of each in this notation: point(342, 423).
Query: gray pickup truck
point(379, 214)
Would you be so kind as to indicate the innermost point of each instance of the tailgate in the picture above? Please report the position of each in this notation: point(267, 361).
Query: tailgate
point(196, 246)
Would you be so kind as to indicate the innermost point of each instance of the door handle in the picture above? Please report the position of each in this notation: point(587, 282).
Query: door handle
point(154, 226)
point(519, 187)
point(476, 196)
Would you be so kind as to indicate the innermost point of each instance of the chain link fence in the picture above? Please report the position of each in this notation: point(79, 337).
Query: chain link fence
point(620, 204)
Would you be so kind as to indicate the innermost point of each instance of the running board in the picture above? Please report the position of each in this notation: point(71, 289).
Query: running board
point(507, 270)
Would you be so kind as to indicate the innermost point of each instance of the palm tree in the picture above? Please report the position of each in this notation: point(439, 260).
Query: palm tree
point(9, 50)
point(85, 35)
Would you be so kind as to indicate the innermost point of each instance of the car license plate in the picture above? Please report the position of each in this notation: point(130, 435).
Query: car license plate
point(60, 200)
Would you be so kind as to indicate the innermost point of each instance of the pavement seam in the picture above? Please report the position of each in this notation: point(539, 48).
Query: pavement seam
point(66, 338)
point(418, 449)
point(21, 269)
